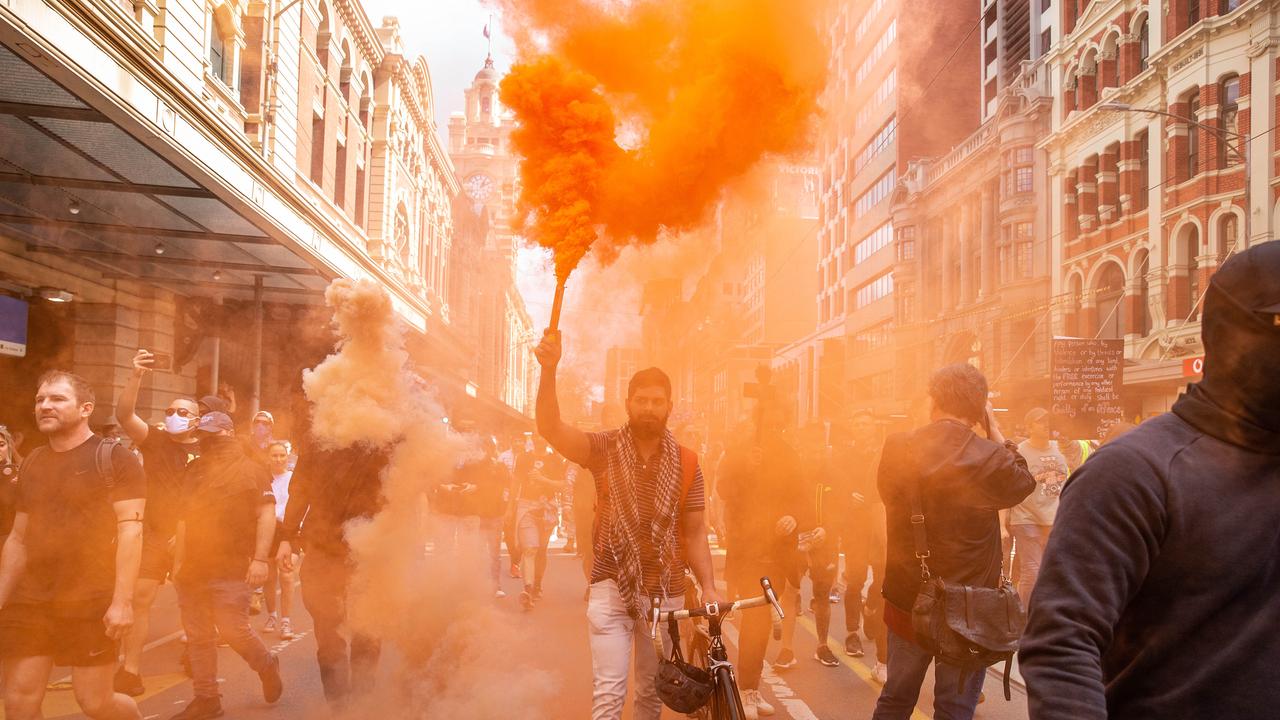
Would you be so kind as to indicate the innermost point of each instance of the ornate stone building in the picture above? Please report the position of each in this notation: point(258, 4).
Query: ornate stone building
point(189, 175)
point(1162, 163)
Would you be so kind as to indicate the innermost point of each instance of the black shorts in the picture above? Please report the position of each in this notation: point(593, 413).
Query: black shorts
point(73, 640)
point(157, 561)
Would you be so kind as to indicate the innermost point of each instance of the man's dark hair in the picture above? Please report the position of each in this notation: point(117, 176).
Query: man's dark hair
point(863, 413)
point(649, 377)
point(81, 387)
point(959, 390)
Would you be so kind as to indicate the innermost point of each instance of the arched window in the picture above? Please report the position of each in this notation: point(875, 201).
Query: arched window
point(1226, 6)
point(1192, 102)
point(1228, 234)
point(221, 61)
point(1111, 65)
point(1228, 116)
point(344, 73)
point(1193, 12)
point(1191, 246)
point(366, 100)
point(401, 236)
point(1110, 302)
point(1144, 45)
point(322, 39)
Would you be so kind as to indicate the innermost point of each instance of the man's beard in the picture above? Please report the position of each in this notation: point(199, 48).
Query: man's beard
point(647, 426)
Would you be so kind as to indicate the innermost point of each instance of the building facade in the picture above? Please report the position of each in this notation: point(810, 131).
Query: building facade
point(492, 316)
point(191, 174)
point(1162, 163)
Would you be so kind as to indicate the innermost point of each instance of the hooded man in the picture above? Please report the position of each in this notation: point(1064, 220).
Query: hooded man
point(1157, 596)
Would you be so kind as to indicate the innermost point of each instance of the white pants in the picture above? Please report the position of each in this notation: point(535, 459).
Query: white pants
point(615, 637)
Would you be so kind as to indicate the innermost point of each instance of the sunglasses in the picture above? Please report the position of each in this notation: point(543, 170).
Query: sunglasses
point(180, 412)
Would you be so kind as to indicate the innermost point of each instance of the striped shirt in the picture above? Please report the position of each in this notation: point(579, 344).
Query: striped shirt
point(645, 481)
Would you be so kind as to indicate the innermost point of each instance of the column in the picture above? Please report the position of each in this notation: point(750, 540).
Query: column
point(948, 258)
point(1087, 195)
point(1261, 113)
point(966, 250)
point(1107, 187)
point(987, 233)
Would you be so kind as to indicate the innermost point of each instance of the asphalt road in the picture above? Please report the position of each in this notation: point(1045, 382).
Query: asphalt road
point(539, 659)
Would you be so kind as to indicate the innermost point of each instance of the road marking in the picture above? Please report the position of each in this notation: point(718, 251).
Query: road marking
point(859, 669)
point(798, 709)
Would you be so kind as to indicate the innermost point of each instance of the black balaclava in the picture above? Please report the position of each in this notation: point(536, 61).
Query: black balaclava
point(1238, 401)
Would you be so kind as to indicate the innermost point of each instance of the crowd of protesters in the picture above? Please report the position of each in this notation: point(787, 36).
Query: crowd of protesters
point(1148, 557)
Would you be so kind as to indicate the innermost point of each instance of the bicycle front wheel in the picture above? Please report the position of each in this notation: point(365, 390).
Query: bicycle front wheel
point(727, 703)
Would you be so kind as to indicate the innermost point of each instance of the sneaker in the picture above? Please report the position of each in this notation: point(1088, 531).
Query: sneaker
point(272, 684)
point(270, 625)
point(515, 571)
point(200, 709)
point(880, 673)
point(526, 598)
point(834, 596)
point(286, 629)
point(762, 707)
point(128, 683)
point(785, 660)
point(749, 709)
point(537, 592)
point(853, 645)
point(499, 593)
point(824, 655)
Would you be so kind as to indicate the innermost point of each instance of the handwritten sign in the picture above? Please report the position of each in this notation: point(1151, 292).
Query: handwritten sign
point(1087, 375)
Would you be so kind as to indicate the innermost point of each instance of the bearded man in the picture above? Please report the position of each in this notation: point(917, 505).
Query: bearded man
point(649, 526)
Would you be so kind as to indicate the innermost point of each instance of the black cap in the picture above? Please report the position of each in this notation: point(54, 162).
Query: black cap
point(215, 422)
point(213, 403)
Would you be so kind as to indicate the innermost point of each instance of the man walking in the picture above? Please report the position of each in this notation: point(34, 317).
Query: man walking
point(1031, 520)
point(861, 530)
point(538, 476)
point(964, 480)
point(70, 563)
point(166, 455)
point(1157, 596)
point(279, 611)
point(224, 537)
point(649, 527)
point(331, 487)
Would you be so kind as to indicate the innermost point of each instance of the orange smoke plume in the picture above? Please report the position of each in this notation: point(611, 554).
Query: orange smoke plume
point(634, 116)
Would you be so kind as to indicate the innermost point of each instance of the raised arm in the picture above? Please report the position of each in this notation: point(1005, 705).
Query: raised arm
point(567, 440)
point(127, 404)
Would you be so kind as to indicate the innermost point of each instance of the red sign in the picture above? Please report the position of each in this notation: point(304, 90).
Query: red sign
point(1192, 367)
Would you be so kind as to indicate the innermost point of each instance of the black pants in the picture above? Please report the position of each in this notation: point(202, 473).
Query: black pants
point(343, 669)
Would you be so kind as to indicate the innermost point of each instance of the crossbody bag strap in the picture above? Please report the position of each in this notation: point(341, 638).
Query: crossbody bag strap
point(919, 536)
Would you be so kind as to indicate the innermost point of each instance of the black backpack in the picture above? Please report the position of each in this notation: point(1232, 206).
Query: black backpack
point(101, 459)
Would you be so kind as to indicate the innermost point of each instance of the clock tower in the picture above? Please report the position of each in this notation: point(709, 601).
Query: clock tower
point(480, 148)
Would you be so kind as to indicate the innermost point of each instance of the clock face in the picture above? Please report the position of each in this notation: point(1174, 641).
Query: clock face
point(479, 187)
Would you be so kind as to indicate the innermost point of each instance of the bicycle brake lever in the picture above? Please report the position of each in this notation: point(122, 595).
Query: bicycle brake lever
point(772, 596)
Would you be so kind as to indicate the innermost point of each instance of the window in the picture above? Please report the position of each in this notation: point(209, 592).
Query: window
point(907, 243)
point(322, 39)
point(1226, 6)
point(1144, 45)
point(1193, 12)
point(867, 18)
point(1193, 271)
point(1142, 323)
point(883, 92)
point(1193, 134)
point(877, 289)
point(1046, 41)
point(317, 149)
point(880, 190)
point(340, 177)
point(873, 338)
point(1045, 5)
point(873, 243)
point(219, 59)
point(877, 52)
point(1024, 236)
point(1022, 182)
point(876, 145)
point(1110, 303)
point(1228, 114)
point(360, 196)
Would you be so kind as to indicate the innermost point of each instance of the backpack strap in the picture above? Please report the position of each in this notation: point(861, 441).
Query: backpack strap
point(106, 466)
point(919, 536)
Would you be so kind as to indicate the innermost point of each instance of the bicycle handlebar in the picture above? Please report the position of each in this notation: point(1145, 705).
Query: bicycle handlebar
point(658, 616)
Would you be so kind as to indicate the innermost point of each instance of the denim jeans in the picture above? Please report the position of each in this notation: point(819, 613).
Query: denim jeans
point(615, 638)
point(491, 536)
point(210, 608)
point(1029, 543)
point(955, 691)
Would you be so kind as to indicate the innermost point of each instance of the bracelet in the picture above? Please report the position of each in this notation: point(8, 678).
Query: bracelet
point(261, 560)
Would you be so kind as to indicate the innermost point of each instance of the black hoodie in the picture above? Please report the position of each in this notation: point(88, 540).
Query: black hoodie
point(964, 481)
point(1159, 595)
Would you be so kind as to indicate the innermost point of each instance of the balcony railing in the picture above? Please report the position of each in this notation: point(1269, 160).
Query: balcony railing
point(975, 142)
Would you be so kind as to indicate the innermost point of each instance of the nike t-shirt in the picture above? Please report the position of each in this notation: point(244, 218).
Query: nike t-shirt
point(71, 525)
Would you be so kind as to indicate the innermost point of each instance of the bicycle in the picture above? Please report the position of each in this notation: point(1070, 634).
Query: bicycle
point(725, 702)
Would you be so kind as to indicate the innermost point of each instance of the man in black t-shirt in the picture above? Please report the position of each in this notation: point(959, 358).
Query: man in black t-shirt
point(225, 531)
point(165, 456)
point(69, 600)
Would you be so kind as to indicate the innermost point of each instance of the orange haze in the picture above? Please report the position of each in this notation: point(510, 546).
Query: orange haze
point(633, 116)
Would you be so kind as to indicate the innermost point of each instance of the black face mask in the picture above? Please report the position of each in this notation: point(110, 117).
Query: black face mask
point(1238, 401)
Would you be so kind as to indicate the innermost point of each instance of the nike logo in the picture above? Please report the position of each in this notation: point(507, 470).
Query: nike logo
point(97, 653)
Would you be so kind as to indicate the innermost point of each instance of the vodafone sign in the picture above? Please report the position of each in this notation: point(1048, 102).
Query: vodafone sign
point(1192, 367)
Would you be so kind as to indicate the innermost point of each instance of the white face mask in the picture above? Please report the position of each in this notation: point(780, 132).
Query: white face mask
point(176, 424)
